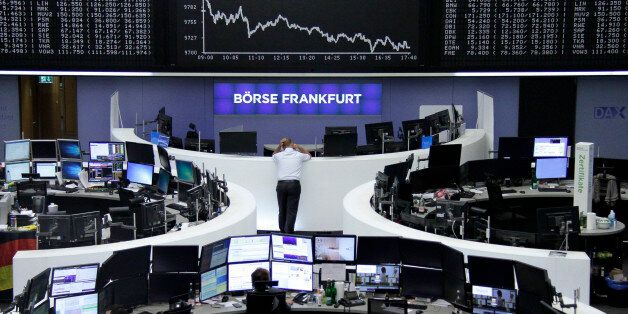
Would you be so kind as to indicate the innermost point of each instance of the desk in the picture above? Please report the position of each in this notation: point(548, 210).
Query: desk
point(619, 228)
point(12, 241)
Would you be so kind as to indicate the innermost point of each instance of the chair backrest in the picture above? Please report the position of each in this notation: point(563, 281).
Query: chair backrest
point(262, 303)
point(494, 190)
point(377, 305)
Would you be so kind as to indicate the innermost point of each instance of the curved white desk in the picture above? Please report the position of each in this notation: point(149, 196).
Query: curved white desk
point(325, 180)
point(567, 273)
point(238, 219)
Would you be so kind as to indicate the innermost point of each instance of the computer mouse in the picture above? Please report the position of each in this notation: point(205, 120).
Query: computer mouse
point(568, 191)
point(522, 192)
point(224, 298)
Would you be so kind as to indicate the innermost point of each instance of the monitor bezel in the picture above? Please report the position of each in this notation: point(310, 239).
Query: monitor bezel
point(294, 263)
point(250, 236)
point(355, 249)
point(78, 142)
point(30, 151)
point(272, 253)
point(104, 142)
point(35, 163)
point(52, 275)
point(56, 158)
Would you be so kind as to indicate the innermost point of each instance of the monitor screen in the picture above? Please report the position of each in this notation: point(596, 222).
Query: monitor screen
point(334, 249)
point(14, 171)
point(248, 249)
point(38, 288)
point(239, 143)
point(139, 173)
point(73, 280)
point(44, 149)
point(374, 131)
point(240, 275)
point(445, 155)
point(140, 153)
point(491, 272)
point(159, 139)
point(378, 250)
point(69, 149)
point(185, 171)
point(292, 248)
point(83, 304)
point(377, 277)
point(421, 253)
point(176, 259)
point(550, 147)
point(515, 147)
point(107, 151)
point(163, 181)
point(100, 171)
point(493, 299)
point(70, 170)
point(46, 170)
point(532, 279)
point(213, 282)
point(292, 276)
point(551, 168)
point(214, 255)
point(17, 150)
point(422, 282)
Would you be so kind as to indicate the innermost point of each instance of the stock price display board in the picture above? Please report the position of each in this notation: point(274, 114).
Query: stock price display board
point(534, 34)
point(99, 34)
point(305, 35)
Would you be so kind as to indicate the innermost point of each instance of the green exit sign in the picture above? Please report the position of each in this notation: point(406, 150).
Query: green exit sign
point(45, 79)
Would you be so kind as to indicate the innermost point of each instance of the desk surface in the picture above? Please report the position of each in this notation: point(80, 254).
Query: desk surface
point(603, 232)
point(309, 147)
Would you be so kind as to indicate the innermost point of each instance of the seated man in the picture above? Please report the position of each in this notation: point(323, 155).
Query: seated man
point(265, 299)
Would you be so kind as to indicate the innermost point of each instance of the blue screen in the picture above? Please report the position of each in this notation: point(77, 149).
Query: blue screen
point(69, 149)
point(551, 168)
point(70, 170)
point(138, 173)
point(164, 181)
point(185, 171)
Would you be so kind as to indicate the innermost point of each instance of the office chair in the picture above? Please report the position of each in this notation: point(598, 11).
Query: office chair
point(498, 209)
point(383, 306)
point(263, 303)
point(192, 133)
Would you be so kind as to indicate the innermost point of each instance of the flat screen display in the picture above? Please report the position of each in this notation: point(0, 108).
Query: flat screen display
point(550, 147)
point(73, 280)
point(493, 299)
point(14, 171)
point(46, 170)
point(70, 170)
point(377, 277)
point(213, 282)
point(139, 173)
point(334, 249)
point(140, 153)
point(185, 171)
point(17, 150)
point(214, 255)
point(107, 151)
point(240, 275)
point(42, 149)
point(80, 304)
point(292, 276)
point(292, 248)
point(69, 149)
point(551, 168)
point(249, 249)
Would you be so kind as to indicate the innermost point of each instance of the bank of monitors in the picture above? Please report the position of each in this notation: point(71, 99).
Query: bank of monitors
point(238, 143)
point(44, 149)
point(214, 282)
point(45, 169)
point(175, 259)
point(239, 275)
point(292, 248)
point(550, 147)
point(374, 132)
point(140, 153)
point(335, 249)
point(292, 276)
point(69, 149)
point(422, 282)
point(140, 173)
point(377, 277)
point(445, 155)
point(249, 249)
point(70, 170)
point(17, 150)
point(378, 250)
point(107, 151)
point(185, 171)
point(552, 168)
point(13, 170)
point(83, 304)
point(515, 147)
point(73, 280)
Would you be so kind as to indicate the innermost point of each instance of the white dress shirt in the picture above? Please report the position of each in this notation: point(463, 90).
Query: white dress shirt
point(289, 164)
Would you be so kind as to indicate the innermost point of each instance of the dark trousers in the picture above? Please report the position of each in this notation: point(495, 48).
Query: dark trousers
point(288, 195)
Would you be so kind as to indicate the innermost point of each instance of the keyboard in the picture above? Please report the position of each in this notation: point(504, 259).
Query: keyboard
point(552, 189)
point(97, 189)
point(416, 306)
point(177, 206)
point(509, 191)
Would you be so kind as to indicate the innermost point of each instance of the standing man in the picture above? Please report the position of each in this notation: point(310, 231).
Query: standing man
point(289, 158)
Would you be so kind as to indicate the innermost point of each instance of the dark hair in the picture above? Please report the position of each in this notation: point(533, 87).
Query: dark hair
point(499, 293)
point(260, 274)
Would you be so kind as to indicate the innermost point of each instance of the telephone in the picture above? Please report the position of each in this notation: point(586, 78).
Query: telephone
point(351, 299)
point(302, 298)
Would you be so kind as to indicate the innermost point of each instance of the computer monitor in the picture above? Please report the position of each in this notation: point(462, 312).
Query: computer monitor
point(414, 127)
point(214, 255)
point(444, 118)
point(56, 227)
point(515, 147)
point(494, 300)
point(42, 308)
point(185, 171)
point(27, 189)
point(422, 282)
point(70, 170)
point(13, 171)
point(377, 278)
point(453, 263)
point(163, 181)
point(550, 147)
point(164, 158)
point(374, 131)
point(140, 173)
point(533, 280)
point(434, 178)
point(335, 249)
point(150, 217)
point(343, 144)
point(44, 149)
point(100, 171)
point(551, 168)
point(164, 123)
point(397, 171)
point(69, 149)
point(17, 150)
point(557, 220)
point(329, 130)
point(239, 275)
point(175, 259)
point(213, 282)
point(38, 289)
point(249, 248)
point(445, 155)
point(292, 276)
point(421, 253)
point(45, 169)
point(238, 143)
point(124, 264)
point(491, 272)
point(72, 280)
point(83, 304)
point(378, 250)
point(159, 139)
point(455, 290)
point(292, 248)
point(86, 226)
point(107, 151)
point(140, 153)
